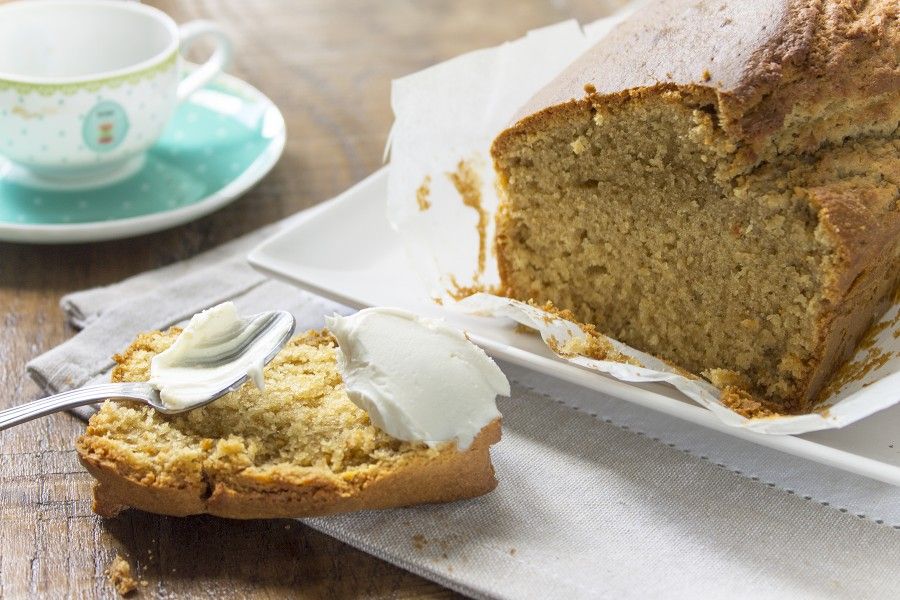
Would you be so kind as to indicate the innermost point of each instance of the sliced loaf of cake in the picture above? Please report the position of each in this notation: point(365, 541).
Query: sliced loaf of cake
point(717, 183)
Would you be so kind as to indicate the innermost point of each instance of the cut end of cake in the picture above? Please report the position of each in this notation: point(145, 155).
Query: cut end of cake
point(680, 219)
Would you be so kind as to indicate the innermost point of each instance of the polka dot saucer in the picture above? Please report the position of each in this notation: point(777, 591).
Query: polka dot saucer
point(221, 141)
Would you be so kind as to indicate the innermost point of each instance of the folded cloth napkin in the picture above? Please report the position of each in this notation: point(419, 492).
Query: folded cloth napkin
point(597, 497)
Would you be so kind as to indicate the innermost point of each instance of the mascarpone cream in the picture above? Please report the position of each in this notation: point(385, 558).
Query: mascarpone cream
point(418, 379)
point(208, 355)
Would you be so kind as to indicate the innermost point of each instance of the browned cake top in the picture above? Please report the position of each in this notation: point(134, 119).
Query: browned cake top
point(756, 59)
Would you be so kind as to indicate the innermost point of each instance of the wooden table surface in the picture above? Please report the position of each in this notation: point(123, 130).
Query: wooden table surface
point(328, 65)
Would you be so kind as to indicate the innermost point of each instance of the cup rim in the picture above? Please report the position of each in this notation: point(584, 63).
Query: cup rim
point(134, 7)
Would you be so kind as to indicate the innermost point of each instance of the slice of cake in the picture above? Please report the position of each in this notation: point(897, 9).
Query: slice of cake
point(298, 448)
point(716, 183)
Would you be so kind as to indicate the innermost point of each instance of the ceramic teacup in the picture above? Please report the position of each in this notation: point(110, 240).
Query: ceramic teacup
point(87, 86)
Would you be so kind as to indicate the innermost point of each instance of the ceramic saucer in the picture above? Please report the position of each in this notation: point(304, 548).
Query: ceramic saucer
point(220, 142)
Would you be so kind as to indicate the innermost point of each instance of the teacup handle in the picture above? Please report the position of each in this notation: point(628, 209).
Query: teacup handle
point(220, 58)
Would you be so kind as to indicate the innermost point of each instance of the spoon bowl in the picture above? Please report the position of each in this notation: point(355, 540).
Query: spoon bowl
point(259, 337)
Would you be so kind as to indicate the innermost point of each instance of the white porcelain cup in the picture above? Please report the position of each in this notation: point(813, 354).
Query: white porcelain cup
point(87, 86)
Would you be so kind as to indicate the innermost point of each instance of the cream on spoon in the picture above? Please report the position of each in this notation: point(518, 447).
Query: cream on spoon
point(217, 349)
point(214, 355)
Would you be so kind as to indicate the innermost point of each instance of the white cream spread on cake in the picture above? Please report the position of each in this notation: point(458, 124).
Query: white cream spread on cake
point(209, 354)
point(418, 379)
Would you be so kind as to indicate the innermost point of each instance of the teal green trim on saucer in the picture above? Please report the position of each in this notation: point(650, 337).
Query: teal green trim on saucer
point(203, 153)
point(48, 89)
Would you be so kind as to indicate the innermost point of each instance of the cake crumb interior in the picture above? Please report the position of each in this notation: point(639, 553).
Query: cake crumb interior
point(630, 214)
point(302, 426)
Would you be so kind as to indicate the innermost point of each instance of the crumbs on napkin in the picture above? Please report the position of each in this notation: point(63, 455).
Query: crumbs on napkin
point(419, 541)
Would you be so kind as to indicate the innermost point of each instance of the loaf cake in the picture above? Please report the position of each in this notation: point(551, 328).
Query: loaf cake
point(716, 183)
point(300, 448)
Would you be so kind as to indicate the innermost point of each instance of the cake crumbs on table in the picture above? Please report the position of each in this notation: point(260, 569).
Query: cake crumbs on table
point(121, 576)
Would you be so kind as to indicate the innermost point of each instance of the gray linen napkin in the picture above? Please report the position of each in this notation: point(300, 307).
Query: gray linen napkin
point(597, 497)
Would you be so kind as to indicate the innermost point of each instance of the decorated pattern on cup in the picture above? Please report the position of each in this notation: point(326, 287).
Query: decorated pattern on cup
point(202, 151)
point(47, 126)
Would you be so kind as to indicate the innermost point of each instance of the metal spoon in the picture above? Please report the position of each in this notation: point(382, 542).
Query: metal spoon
point(263, 334)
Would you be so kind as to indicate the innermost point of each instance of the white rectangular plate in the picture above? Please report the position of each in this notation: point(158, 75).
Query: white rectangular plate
point(344, 249)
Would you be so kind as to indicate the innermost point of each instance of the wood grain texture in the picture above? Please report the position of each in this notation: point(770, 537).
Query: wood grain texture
point(328, 65)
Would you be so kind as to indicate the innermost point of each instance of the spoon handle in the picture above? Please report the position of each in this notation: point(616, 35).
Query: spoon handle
point(79, 397)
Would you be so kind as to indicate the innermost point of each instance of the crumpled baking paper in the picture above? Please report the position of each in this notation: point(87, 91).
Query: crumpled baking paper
point(441, 187)
point(877, 363)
